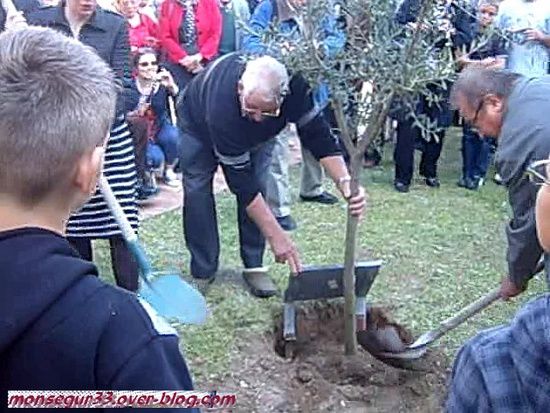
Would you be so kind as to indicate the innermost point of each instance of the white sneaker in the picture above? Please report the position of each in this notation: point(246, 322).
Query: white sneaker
point(171, 179)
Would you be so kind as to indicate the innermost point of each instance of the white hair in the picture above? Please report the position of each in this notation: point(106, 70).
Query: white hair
point(266, 77)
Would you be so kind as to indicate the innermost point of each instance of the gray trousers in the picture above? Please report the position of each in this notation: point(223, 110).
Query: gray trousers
point(278, 184)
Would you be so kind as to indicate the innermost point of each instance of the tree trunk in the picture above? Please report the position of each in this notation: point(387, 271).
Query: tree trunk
point(349, 261)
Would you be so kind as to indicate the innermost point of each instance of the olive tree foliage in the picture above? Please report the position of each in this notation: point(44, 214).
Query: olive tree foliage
point(382, 65)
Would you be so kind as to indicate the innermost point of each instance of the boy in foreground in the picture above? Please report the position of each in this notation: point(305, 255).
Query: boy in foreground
point(61, 328)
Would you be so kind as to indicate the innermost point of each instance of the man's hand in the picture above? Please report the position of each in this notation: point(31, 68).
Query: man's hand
point(192, 62)
point(534, 35)
point(357, 203)
point(285, 251)
point(187, 62)
point(509, 289)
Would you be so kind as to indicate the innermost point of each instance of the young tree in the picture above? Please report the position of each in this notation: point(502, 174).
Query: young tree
point(384, 65)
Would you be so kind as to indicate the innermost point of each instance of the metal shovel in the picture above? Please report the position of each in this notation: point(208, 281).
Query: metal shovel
point(167, 293)
point(387, 346)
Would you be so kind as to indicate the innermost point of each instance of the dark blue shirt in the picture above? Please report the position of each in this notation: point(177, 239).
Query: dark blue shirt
point(61, 328)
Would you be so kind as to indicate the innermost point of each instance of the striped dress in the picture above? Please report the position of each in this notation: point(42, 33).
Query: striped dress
point(94, 219)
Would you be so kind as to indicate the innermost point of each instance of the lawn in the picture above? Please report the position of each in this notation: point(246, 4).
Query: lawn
point(441, 249)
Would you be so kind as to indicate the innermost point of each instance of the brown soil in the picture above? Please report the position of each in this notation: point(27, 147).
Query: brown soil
point(321, 379)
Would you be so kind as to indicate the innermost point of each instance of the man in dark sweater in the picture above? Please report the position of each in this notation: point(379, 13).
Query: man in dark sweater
point(61, 328)
point(229, 116)
point(514, 109)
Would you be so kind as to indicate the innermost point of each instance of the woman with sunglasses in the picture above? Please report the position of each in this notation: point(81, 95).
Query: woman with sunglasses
point(147, 103)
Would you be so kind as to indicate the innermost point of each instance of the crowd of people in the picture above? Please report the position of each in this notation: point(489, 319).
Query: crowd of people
point(171, 93)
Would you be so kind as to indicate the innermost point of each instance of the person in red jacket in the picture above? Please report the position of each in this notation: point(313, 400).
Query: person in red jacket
point(142, 29)
point(190, 32)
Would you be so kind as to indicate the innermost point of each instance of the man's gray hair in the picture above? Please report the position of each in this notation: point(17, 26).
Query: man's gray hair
point(265, 76)
point(57, 101)
point(474, 83)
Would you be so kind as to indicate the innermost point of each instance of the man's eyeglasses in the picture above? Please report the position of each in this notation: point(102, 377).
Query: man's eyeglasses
point(147, 64)
point(476, 115)
point(274, 113)
point(537, 172)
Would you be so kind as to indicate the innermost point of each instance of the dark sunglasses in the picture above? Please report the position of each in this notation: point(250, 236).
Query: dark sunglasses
point(147, 64)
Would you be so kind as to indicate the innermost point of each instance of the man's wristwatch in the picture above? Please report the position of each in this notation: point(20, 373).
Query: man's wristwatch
point(341, 181)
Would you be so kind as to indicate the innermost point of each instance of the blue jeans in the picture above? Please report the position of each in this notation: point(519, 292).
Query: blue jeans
point(476, 154)
point(200, 226)
point(166, 147)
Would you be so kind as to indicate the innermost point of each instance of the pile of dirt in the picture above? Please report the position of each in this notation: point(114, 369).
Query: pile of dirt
point(321, 379)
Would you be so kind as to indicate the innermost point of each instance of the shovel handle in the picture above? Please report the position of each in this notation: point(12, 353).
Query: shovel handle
point(469, 311)
point(127, 232)
point(472, 309)
point(117, 211)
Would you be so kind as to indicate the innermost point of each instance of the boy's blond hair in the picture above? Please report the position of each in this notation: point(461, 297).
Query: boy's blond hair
point(57, 101)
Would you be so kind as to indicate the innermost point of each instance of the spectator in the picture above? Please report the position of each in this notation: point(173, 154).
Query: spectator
point(148, 100)
point(286, 14)
point(62, 327)
point(229, 115)
point(190, 33)
point(513, 109)
point(476, 150)
point(452, 29)
point(107, 33)
point(527, 23)
point(142, 29)
point(235, 14)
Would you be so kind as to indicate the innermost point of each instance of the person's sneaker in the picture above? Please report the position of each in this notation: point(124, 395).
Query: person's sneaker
point(323, 198)
point(287, 223)
point(259, 282)
point(401, 187)
point(497, 179)
point(480, 182)
point(432, 182)
point(171, 179)
point(462, 182)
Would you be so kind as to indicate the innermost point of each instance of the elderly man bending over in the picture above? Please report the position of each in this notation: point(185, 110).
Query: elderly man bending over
point(229, 115)
point(515, 109)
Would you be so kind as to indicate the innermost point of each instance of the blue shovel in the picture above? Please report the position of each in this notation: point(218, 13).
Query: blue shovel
point(167, 293)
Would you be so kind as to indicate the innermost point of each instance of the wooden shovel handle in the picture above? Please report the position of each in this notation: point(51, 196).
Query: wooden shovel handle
point(473, 308)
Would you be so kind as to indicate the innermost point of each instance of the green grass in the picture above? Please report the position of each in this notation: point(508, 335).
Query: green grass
point(441, 249)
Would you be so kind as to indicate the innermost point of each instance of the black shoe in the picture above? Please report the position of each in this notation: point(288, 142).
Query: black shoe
point(324, 198)
point(462, 182)
point(145, 192)
point(401, 187)
point(432, 182)
point(472, 184)
point(287, 223)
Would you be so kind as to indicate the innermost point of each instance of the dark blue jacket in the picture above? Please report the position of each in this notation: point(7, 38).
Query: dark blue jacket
point(106, 32)
point(408, 13)
point(61, 328)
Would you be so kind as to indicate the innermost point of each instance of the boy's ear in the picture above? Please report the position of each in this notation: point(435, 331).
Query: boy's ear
point(88, 171)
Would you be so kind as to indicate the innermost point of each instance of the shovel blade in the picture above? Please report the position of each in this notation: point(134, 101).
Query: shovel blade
point(175, 299)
